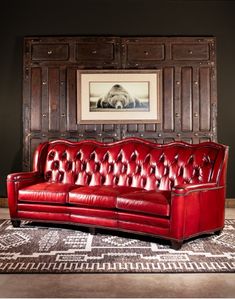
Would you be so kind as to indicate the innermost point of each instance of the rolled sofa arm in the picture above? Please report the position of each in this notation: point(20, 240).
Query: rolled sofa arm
point(196, 208)
point(16, 181)
point(188, 188)
point(24, 176)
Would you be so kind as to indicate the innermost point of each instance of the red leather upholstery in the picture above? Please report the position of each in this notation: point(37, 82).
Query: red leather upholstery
point(174, 190)
point(98, 196)
point(149, 202)
point(46, 192)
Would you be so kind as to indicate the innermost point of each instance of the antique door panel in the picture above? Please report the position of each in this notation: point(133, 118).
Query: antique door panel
point(189, 96)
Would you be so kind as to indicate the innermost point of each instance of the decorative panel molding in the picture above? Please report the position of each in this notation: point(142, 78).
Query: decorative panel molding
point(189, 96)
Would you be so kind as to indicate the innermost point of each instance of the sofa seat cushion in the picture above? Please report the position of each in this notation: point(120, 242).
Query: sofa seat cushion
point(46, 192)
point(99, 196)
point(148, 202)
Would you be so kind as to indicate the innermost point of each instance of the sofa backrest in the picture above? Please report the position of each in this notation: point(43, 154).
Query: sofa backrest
point(131, 162)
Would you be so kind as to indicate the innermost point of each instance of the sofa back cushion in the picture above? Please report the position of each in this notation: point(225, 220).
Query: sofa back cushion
point(131, 162)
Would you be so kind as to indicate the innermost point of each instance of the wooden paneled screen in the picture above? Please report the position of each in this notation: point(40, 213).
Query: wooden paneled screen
point(189, 97)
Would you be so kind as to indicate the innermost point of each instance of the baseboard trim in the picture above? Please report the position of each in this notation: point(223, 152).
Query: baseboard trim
point(229, 203)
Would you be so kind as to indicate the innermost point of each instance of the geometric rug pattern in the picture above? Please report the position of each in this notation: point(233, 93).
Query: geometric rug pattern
point(39, 248)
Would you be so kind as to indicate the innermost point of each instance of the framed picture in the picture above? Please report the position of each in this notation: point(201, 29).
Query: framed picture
point(118, 96)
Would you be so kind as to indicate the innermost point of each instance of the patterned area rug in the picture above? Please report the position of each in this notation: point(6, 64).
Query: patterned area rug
point(35, 248)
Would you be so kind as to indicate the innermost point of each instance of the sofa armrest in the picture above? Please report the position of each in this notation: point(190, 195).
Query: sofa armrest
point(197, 209)
point(188, 188)
point(16, 181)
point(24, 176)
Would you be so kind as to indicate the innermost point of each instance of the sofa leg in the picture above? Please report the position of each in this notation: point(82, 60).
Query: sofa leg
point(176, 245)
point(92, 230)
point(15, 223)
point(218, 232)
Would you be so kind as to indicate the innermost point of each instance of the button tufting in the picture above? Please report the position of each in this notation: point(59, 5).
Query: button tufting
point(61, 176)
point(88, 178)
point(130, 179)
point(103, 179)
point(138, 169)
point(116, 180)
point(120, 157)
point(147, 159)
point(124, 168)
point(162, 158)
point(97, 167)
point(133, 157)
point(110, 168)
point(152, 169)
point(78, 156)
point(143, 182)
point(51, 155)
point(48, 175)
point(64, 156)
point(92, 156)
point(55, 165)
point(191, 159)
point(68, 166)
point(106, 157)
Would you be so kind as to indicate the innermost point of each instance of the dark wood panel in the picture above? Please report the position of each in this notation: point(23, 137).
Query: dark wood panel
point(146, 51)
point(36, 97)
point(54, 96)
point(186, 99)
point(196, 107)
point(190, 52)
point(45, 105)
point(71, 100)
point(50, 52)
point(94, 51)
point(62, 101)
point(168, 99)
point(150, 128)
point(189, 97)
point(205, 103)
point(177, 101)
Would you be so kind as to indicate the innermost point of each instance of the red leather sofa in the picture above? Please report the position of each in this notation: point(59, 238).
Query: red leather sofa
point(174, 191)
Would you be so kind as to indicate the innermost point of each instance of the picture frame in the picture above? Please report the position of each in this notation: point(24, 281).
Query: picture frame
point(119, 96)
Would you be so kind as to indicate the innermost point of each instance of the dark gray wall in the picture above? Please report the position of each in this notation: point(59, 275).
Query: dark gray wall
point(107, 17)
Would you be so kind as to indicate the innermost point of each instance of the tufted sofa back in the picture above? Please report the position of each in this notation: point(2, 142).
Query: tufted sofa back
point(130, 162)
